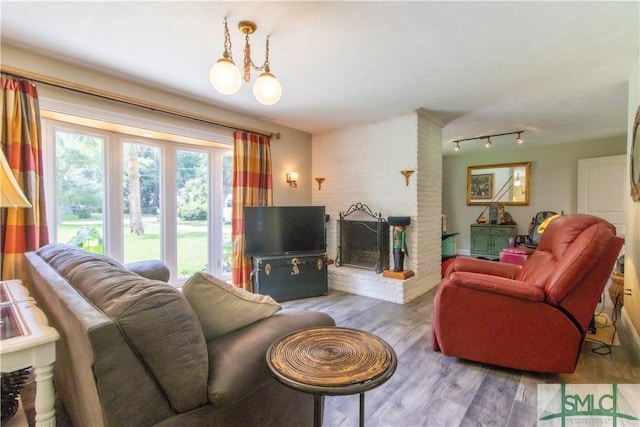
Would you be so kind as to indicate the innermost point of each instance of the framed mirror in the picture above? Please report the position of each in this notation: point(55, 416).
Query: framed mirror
point(634, 159)
point(507, 183)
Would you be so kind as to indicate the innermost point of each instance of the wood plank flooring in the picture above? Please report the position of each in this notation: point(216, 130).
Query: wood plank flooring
point(430, 389)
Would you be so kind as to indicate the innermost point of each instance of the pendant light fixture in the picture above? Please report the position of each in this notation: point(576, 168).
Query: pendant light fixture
point(226, 78)
point(224, 75)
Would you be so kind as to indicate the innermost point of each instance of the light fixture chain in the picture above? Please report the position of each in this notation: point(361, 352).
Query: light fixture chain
point(227, 42)
point(247, 59)
point(248, 62)
point(266, 58)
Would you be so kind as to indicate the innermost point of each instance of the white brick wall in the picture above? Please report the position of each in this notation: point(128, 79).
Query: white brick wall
point(363, 165)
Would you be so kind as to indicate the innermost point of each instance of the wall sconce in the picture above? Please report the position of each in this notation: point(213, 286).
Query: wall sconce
point(292, 179)
point(320, 181)
point(406, 174)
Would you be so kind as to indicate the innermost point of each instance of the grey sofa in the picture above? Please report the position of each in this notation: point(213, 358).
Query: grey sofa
point(132, 352)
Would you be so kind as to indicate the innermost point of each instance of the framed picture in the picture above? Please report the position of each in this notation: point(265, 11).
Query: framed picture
point(482, 186)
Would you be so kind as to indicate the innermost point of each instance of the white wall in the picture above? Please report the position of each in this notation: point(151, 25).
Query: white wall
point(631, 311)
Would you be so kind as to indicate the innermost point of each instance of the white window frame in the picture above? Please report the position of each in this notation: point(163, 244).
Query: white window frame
point(113, 203)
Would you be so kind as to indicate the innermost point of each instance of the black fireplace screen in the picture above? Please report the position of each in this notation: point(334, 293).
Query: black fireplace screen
point(363, 243)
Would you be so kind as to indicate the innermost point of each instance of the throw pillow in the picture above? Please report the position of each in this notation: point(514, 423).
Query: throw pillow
point(223, 308)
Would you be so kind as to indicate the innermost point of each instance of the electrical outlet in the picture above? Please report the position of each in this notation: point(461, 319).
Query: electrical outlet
point(627, 292)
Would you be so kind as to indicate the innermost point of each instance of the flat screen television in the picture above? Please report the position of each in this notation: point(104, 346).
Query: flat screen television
point(281, 230)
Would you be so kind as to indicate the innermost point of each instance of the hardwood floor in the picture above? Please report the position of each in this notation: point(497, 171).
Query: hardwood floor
point(430, 389)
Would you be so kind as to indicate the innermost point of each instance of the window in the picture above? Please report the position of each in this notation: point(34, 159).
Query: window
point(80, 189)
point(137, 198)
point(192, 182)
point(141, 191)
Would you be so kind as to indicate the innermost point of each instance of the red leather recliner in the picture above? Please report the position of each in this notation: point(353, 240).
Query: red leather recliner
point(531, 317)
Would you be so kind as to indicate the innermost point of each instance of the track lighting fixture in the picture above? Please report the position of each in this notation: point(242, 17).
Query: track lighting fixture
point(227, 79)
point(488, 141)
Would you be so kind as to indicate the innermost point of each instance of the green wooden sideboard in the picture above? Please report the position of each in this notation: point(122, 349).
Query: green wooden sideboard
point(487, 240)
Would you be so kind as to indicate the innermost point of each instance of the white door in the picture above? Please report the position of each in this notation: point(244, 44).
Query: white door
point(602, 189)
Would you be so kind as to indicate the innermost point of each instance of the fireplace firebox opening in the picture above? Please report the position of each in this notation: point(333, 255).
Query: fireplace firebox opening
point(363, 239)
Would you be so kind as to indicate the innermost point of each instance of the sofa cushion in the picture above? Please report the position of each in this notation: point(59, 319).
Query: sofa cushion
point(223, 308)
point(238, 363)
point(151, 269)
point(155, 318)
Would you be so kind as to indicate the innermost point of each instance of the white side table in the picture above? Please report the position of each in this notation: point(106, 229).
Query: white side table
point(28, 340)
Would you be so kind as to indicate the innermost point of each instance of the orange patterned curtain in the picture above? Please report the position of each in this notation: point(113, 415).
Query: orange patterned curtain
point(252, 186)
point(22, 229)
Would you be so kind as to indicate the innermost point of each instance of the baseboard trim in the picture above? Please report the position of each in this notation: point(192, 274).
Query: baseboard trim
point(635, 338)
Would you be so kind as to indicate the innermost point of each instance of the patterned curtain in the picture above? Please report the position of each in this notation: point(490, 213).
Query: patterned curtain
point(22, 230)
point(252, 186)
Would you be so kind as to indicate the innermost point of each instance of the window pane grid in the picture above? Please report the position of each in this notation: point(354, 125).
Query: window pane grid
point(82, 177)
point(79, 160)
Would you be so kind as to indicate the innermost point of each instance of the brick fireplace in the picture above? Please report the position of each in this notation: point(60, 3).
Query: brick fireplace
point(363, 164)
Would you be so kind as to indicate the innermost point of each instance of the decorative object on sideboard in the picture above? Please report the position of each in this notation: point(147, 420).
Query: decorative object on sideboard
point(292, 179)
point(320, 181)
point(634, 159)
point(504, 217)
point(227, 79)
point(400, 249)
point(406, 174)
point(483, 180)
point(487, 139)
point(493, 213)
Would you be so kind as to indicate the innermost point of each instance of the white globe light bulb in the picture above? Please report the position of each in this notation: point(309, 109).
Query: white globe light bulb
point(267, 89)
point(225, 77)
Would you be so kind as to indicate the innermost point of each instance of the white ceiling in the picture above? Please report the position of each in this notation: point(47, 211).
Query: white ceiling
point(559, 70)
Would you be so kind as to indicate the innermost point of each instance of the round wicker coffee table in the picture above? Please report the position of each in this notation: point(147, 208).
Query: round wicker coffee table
point(331, 361)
